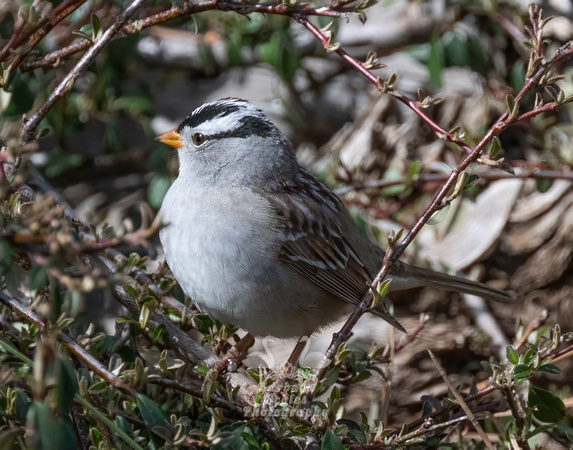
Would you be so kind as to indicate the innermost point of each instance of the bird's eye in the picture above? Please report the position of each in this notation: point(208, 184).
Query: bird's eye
point(198, 138)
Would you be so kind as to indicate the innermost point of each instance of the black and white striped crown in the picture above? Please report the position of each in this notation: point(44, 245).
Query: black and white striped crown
point(229, 117)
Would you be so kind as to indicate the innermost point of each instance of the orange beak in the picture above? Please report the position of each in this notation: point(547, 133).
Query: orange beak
point(171, 137)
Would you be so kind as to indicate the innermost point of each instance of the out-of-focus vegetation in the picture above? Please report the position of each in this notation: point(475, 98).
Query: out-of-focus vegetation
point(99, 348)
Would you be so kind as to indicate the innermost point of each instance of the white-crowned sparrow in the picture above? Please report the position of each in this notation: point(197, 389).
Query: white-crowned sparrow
point(257, 241)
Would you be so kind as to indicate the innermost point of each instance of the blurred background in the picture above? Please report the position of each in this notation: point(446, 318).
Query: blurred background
point(98, 153)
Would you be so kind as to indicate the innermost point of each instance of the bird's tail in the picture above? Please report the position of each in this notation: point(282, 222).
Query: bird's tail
point(425, 277)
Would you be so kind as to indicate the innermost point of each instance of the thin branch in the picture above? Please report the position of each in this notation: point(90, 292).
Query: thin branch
point(440, 199)
point(544, 108)
point(470, 398)
point(429, 429)
point(190, 9)
point(31, 125)
point(561, 354)
point(72, 346)
point(516, 34)
point(412, 104)
point(485, 175)
point(60, 13)
point(195, 392)
point(461, 401)
point(517, 415)
point(19, 36)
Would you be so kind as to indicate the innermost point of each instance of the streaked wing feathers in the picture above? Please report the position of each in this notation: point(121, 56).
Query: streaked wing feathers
point(314, 245)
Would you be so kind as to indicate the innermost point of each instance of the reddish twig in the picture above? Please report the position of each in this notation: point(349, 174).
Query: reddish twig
point(507, 119)
point(190, 9)
point(541, 109)
point(412, 104)
point(516, 34)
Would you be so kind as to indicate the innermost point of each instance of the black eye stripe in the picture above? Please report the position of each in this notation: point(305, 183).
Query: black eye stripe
point(249, 121)
point(249, 126)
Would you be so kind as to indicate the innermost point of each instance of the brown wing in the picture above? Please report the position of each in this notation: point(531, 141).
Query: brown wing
point(314, 244)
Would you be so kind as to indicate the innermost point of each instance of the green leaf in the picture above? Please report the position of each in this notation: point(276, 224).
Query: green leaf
point(152, 416)
point(209, 388)
point(204, 370)
point(543, 184)
point(144, 315)
point(436, 62)
point(383, 288)
point(203, 323)
point(124, 426)
point(512, 355)
point(96, 437)
point(67, 386)
point(331, 442)
point(550, 368)
point(38, 277)
point(95, 25)
point(362, 376)
point(158, 332)
point(250, 440)
point(487, 368)
point(21, 405)
point(158, 187)
point(495, 147)
point(540, 429)
point(131, 291)
point(548, 407)
point(521, 372)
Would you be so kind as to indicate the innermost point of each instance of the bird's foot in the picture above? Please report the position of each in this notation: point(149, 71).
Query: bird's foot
point(234, 357)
